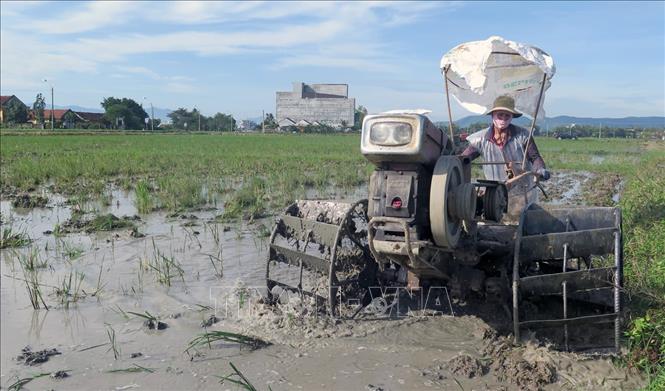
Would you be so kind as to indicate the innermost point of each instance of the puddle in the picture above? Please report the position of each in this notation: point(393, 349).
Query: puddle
point(118, 279)
point(597, 159)
point(618, 189)
point(566, 188)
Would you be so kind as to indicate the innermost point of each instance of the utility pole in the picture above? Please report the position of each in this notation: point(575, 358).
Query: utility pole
point(52, 109)
point(199, 119)
point(263, 121)
point(52, 105)
point(152, 121)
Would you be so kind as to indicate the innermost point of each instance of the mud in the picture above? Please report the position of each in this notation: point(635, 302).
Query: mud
point(26, 200)
point(521, 369)
point(307, 350)
point(566, 188)
point(28, 357)
point(59, 374)
point(602, 190)
point(466, 366)
point(107, 222)
point(152, 324)
point(582, 188)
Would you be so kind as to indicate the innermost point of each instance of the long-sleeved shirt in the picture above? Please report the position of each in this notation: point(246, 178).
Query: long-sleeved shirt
point(482, 143)
point(522, 192)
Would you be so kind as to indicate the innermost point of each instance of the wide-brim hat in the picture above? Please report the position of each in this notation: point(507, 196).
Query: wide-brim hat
point(504, 103)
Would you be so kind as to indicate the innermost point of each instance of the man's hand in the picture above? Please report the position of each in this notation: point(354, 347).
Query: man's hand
point(543, 174)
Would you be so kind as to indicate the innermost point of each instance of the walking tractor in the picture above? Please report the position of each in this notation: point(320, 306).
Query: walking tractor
point(427, 223)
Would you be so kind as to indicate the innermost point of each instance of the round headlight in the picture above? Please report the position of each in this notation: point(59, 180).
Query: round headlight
point(402, 134)
point(379, 133)
point(390, 133)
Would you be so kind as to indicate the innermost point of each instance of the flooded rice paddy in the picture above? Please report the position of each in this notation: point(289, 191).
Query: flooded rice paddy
point(187, 270)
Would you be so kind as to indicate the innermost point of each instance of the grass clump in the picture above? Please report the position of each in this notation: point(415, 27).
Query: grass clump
point(646, 337)
point(105, 222)
point(249, 202)
point(144, 202)
point(184, 192)
point(32, 260)
point(164, 267)
point(69, 290)
point(208, 338)
point(108, 222)
point(29, 201)
point(30, 265)
point(12, 239)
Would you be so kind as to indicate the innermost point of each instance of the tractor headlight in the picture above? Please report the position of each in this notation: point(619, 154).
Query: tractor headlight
point(390, 133)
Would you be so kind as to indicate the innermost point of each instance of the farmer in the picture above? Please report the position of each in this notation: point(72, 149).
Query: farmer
point(505, 144)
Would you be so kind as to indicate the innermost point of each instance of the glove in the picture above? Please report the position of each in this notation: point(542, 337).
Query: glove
point(543, 173)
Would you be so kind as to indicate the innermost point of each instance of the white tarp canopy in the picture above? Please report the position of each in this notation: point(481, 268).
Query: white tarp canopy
point(481, 71)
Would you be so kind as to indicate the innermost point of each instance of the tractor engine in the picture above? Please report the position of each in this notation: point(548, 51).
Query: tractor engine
point(421, 198)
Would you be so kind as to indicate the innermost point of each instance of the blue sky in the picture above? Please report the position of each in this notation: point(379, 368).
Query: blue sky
point(232, 57)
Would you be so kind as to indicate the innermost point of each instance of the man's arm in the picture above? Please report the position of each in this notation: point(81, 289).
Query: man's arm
point(534, 157)
point(537, 162)
point(471, 152)
point(474, 149)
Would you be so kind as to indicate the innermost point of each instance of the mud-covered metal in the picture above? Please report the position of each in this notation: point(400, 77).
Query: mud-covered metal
point(574, 254)
point(327, 239)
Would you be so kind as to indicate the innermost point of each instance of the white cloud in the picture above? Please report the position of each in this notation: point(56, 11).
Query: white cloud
point(18, 8)
point(143, 71)
point(180, 88)
point(109, 36)
point(368, 57)
point(94, 15)
point(25, 61)
point(139, 71)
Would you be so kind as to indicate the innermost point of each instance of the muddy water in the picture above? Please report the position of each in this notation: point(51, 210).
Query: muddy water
point(306, 352)
point(566, 188)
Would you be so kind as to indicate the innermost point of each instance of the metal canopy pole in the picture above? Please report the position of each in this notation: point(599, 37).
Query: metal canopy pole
point(535, 116)
point(450, 115)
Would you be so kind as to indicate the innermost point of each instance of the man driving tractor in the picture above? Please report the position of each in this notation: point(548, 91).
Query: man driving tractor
point(502, 145)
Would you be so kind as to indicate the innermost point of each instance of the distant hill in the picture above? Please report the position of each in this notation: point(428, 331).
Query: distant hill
point(563, 120)
point(160, 113)
point(80, 108)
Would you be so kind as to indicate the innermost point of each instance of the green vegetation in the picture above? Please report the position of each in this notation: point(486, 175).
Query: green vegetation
point(207, 338)
point(18, 385)
point(69, 290)
point(110, 332)
point(123, 113)
point(605, 155)
point(238, 379)
point(135, 368)
point(106, 222)
point(10, 238)
point(177, 168)
point(643, 205)
point(143, 197)
point(30, 265)
point(164, 267)
point(194, 120)
point(248, 201)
